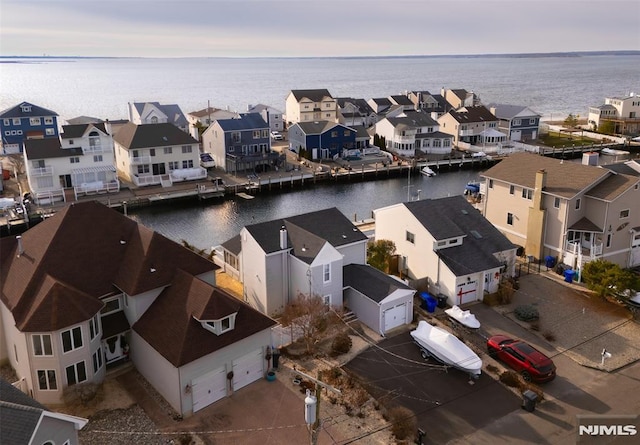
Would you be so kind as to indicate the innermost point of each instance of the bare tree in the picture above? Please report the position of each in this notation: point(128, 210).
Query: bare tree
point(309, 315)
point(16, 162)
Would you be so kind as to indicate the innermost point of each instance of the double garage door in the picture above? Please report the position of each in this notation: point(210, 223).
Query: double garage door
point(212, 386)
point(395, 316)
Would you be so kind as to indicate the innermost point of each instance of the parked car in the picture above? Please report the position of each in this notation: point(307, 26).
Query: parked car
point(532, 364)
point(206, 160)
point(276, 136)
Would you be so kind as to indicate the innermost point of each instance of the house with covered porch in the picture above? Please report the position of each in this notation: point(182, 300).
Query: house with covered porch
point(322, 139)
point(571, 211)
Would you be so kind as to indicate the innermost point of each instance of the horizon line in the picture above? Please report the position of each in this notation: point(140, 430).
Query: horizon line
point(529, 54)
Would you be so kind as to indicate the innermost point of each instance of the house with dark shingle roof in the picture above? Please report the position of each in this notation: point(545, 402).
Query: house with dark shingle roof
point(460, 97)
point(25, 421)
point(430, 103)
point(81, 159)
point(310, 106)
point(25, 121)
point(322, 139)
point(413, 133)
point(449, 245)
point(355, 112)
point(570, 211)
point(151, 154)
point(90, 288)
point(518, 122)
point(155, 113)
point(241, 144)
point(471, 125)
point(309, 254)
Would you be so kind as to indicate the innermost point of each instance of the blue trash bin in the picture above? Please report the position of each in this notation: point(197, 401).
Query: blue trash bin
point(568, 275)
point(550, 261)
point(424, 296)
point(431, 304)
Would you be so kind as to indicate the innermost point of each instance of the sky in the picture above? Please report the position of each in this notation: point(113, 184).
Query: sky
point(314, 28)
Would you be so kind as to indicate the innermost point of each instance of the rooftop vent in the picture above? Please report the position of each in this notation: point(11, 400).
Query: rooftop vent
point(476, 234)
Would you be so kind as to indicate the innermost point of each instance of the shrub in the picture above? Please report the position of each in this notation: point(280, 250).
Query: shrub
point(511, 379)
point(527, 312)
point(403, 422)
point(341, 344)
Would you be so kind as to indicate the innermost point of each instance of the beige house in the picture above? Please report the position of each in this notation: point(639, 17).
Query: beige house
point(152, 154)
point(622, 112)
point(469, 125)
point(311, 106)
point(459, 98)
point(574, 212)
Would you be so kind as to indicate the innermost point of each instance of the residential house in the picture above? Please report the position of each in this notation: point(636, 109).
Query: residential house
point(435, 104)
point(241, 144)
point(447, 245)
point(471, 125)
point(271, 116)
point(25, 421)
point(151, 154)
point(311, 106)
point(570, 211)
point(355, 112)
point(412, 134)
point(315, 254)
point(402, 101)
point(26, 121)
point(621, 113)
point(201, 119)
point(321, 139)
point(82, 160)
point(89, 288)
point(459, 98)
point(141, 113)
point(518, 122)
point(384, 107)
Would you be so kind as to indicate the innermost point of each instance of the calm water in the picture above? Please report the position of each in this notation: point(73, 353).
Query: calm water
point(103, 87)
point(552, 86)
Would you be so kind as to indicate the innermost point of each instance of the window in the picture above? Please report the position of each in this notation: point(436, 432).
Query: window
point(221, 326)
point(517, 122)
point(47, 380)
point(326, 273)
point(334, 134)
point(76, 373)
point(7, 133)
point(18, 131)
point(327, 299)
point(532, 121)
point(135, 153)
point(94, 327)
point(74, 160)
point(410, 237)
point(42, 345)
point(50, 131)
point(152, 152)
point(578, 204)
point(512, 189)
point(556, 203)
point(187, 164)
point(624, 213)
point(236, 136)
point(72, 339)
point(38, 163)
point(510, 219)
point(112, 305)
point(168, 150)
point(16, 121)
point(6, 122)
point(265, 133)
point(527, 193)
point(143, 169)
point(256, 134)
point(347, 133)
point(97, 360)
point(187, 149)
point(97, 158)
point(174, 165)
point(34, 121)
point(608, 240)
point(490, 183)
point(48, 121)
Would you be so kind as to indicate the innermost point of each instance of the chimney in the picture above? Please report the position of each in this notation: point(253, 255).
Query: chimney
point(283, 238)
point(20, 247)
point(541, 182)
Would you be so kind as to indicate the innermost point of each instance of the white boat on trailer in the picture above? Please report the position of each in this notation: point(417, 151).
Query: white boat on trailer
point(446, 348)
point(465, 318)
point(426, 171)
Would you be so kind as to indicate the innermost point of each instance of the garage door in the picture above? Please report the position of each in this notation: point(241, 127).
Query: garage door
point(394, 317)
point(248, 369)
point(467, 292)
point(209, 388)
point(516, 135)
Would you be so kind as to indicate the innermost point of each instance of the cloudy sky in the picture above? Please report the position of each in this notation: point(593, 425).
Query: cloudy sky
point(293, 28)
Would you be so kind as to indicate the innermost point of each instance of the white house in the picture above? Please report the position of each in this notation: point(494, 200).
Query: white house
point(154, 113)
point(413, 131)
point(82, 160)
point(310, 106)
point(271, 115)
point(204, 117)
point(450, 244)
point(623, 113)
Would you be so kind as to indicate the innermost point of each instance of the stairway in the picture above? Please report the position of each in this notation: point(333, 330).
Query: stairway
point(349, 317)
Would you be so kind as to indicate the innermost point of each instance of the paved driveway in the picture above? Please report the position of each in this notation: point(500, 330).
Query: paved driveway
point(445, 404)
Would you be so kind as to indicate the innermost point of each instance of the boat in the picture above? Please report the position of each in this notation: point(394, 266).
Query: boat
point(613, 152)
point(472, 188)
point(465, 318)
point(446, 348)
point(427, 171)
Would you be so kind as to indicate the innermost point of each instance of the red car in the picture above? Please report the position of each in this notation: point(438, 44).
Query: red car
point(532, 364)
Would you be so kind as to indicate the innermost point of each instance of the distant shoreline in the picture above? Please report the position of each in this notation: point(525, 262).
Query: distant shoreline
point(18, 59)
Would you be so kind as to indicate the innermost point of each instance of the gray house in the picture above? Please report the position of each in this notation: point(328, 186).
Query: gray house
point(25, 421)
point(518, 122)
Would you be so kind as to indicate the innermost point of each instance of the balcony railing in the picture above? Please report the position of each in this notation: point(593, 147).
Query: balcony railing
point(468, 132)
point(188, 174)
point(97, 187)
point(140, 160)
point(42, 171)
point(142, 180)
point(591, 251)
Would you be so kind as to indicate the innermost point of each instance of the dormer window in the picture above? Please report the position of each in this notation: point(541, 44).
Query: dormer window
point(222, 325)
point(26, 108)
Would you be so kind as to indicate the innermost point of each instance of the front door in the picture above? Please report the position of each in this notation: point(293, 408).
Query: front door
point(158, 169)
point(65, 181)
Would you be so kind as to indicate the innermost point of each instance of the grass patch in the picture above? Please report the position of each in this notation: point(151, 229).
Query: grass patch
point(563, 139)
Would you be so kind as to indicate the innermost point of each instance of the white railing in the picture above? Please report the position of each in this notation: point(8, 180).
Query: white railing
point(140, 160)
point(42, 171)
point(97, 187)
point(49, 196)
point(188, 174)
point(575, 247)
point(94, 149)
point(467, 132)
point(147, 180)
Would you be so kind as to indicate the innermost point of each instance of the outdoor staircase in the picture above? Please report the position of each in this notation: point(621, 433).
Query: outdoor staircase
point(349, 317)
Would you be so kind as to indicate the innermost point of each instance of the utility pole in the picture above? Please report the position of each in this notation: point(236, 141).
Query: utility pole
point(315, 426)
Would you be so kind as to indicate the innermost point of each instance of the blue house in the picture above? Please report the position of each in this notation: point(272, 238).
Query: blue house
point(518, 122)
point(241, 144)
point(26, 121)
point(322, 139)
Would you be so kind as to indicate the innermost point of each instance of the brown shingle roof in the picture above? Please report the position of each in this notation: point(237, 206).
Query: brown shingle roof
point(83, 251)
point(565, 179)
point(612, 187)
point(132, 136)
point(171, 328)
